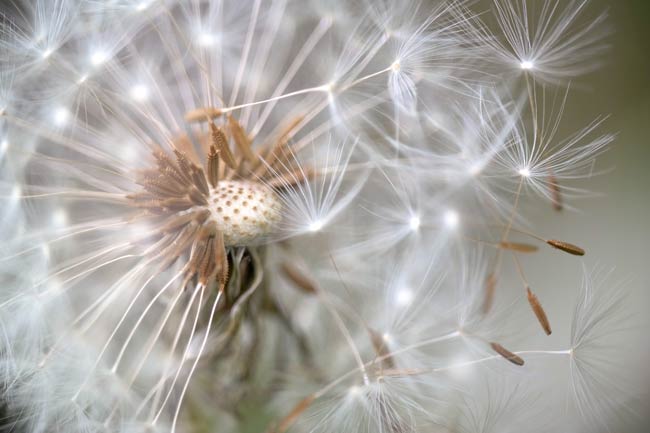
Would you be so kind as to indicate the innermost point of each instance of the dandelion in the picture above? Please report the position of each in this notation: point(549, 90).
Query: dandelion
point(548, 39)
point(297, 207)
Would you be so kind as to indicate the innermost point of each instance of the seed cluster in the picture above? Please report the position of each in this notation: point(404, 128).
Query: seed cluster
point(200, 209)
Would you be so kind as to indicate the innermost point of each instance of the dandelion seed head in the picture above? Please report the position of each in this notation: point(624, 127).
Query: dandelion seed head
point(546, 54)
point(207, 139)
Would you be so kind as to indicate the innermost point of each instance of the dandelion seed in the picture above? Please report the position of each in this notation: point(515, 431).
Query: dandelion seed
point(539, 311)
point(566, 247)
point(539, 31)
point(515, 359)
point(220, 142)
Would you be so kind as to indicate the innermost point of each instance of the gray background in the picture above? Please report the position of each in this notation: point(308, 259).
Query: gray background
point(615, 226)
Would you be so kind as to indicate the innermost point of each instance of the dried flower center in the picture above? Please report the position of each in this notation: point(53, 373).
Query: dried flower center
point(201, 206)
point(244, 211)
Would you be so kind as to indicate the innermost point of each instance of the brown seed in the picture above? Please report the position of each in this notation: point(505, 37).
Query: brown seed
point(184, 150)
point(199, 180)
point(177, 204)
point(196, 197)
point(515, 359)
point(220, 142)
point(183, 165)
point(519, 247)
point(490, 288)
point(299, 279)
point(213, 167)
point(539, 311)
point(207, 265)
point(160, 188)
point(196, 257)
point(566, 247)
point(202, 114)
point(221, 259)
